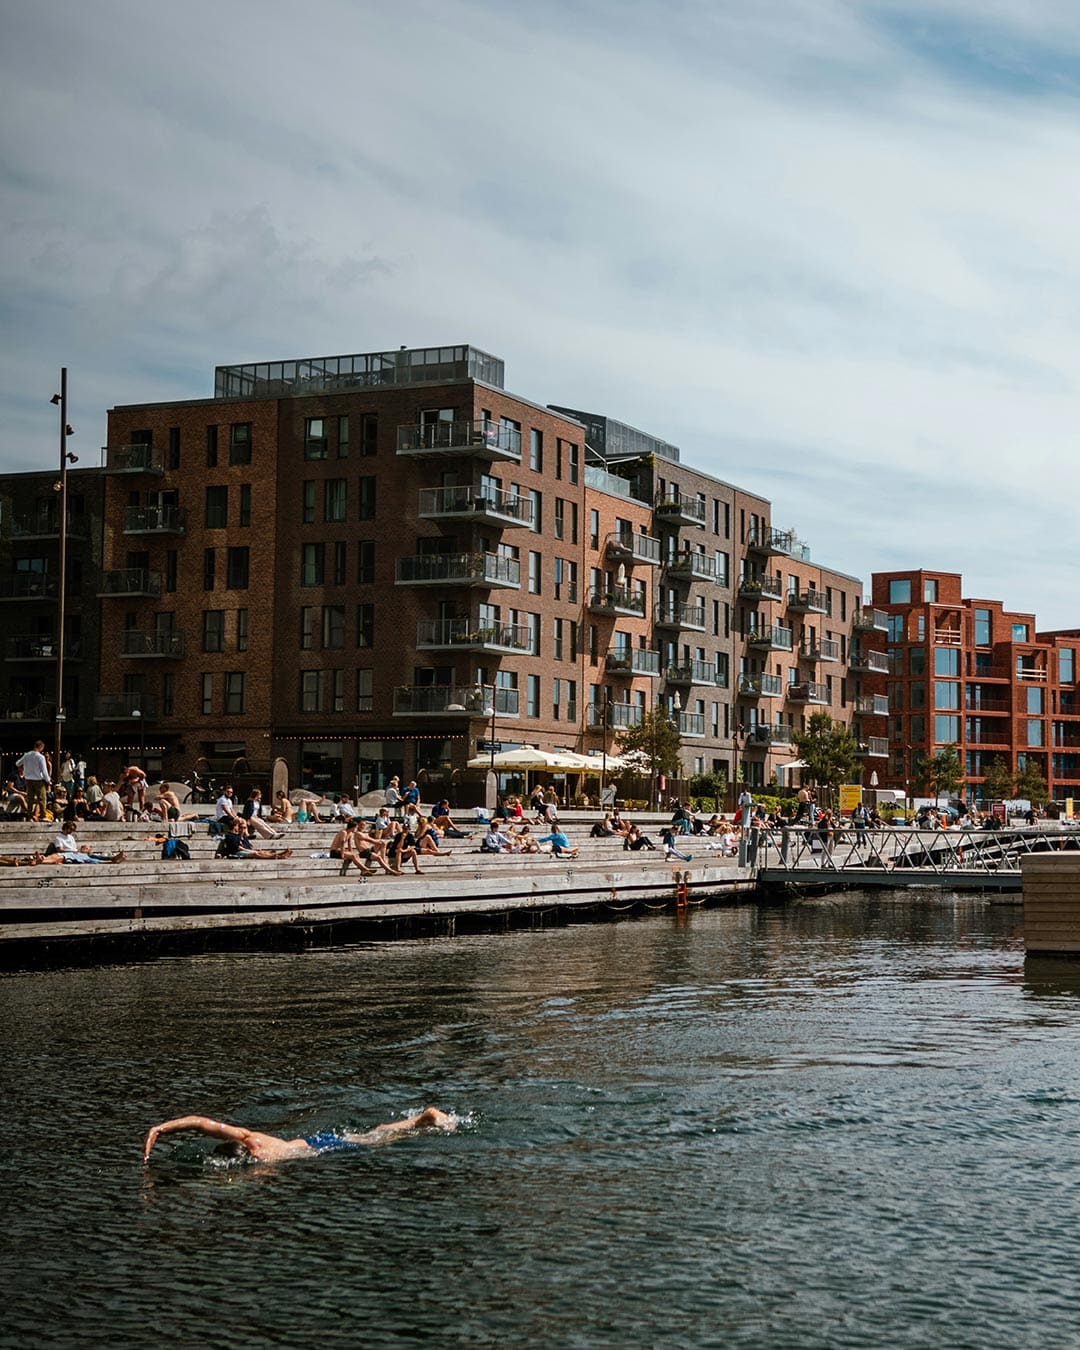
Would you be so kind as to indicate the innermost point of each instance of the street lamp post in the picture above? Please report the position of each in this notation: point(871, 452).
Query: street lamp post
point(60, 400)
point(490, 711)
point(137, 713)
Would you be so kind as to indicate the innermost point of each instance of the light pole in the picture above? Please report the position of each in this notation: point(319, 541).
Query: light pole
point(60, 486)
point(489, 711)
point(137, 713)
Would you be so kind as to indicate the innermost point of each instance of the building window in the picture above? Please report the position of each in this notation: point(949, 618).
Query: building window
point(369, 434)
point(337, 691)
point(174, 447)
point(245, 504)
point(365, 625)
point(207, 694)
point(211, 447)
point(982, 628)
point(917, 661)
point(241, 630)
point(572, 462)
point(900, 592)
point(308, 620)
point(1035, 701)
point(1034, 731)
point(170, 570)
point(560, 517)
point(536, 500)
point(208, 569)
point(343, 438)
point(947, 661)
point(217, 508)
point(594, 528)
point(240, 443)
point(340, 559)
point(334, 490)
point(534, 573)
point(532, 628)
point(333, 627)
point(532, 696)
point(573, 522)
point(929, 591)
point(946, 694)
point(946, 730)
point(366, 486)
point(1020, 632)
point(213, 630)
point(236, 568)
point(307, 513)
point(1066, 665)
point(557, 635)
point(896, 627)
point(365, 563)
point(312, 564)
point(314, 438)
point(168, 694)
point(311, 691)
point(536, 450)
point(365, 685)
point(234, 693)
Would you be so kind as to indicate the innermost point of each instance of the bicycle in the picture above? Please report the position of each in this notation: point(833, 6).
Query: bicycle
point(200, 791)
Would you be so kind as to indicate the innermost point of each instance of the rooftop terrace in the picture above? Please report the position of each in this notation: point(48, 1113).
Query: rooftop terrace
point(320, 374)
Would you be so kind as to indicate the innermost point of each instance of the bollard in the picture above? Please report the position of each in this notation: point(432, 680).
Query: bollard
point(785, 847)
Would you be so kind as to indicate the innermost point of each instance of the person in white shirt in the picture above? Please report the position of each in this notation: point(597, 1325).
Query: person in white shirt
point(112, 808)
point(497, 842)
point(66, 844)
point(225, 808)
point(34, 768)
point(345, 808)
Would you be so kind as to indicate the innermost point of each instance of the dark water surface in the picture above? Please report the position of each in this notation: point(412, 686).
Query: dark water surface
point(853, 1123)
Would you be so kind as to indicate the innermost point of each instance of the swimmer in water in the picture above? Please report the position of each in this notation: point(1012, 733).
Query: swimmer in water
point(268, 1148)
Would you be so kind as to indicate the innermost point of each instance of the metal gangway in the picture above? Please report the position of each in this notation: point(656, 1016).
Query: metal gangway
point(898, 856)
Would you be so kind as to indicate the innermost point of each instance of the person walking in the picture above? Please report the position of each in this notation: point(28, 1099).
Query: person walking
point(34, 767)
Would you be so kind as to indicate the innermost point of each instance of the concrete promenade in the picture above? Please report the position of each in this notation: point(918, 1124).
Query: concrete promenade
point(146, 903)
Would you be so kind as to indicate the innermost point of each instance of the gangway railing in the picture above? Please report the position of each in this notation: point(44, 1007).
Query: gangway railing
point(800, 848)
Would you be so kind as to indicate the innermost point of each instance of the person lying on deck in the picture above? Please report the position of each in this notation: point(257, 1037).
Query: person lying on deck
point(236, 844)
point(268, 1148)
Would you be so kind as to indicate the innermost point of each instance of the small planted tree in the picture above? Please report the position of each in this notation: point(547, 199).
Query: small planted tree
point(944, 772)
point(828, 748)
point(655, 743)
point(999, 782)
point(710, 786)
point(1031, 783)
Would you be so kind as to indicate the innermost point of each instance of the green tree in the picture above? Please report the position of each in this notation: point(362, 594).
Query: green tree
point(829, 749)
point(944, 772)
point(1031, 784)
point(656, 738)
point(999, 783)
point(710, 785)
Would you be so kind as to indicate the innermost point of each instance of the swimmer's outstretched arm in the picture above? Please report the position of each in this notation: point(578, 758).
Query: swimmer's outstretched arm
point(431, 1118)
point(216, 1129)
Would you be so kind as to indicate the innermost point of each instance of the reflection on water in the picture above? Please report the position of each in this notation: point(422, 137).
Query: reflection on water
point(849, 1123)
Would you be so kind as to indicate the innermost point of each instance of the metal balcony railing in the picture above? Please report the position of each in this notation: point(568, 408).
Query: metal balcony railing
point(760, 588)
point(765, 539)
point(810, 601)
point(492, 505)
point(691, 672)
point(808, 692)
point(131, 582)
point(34, 647)
point(118, 707)
point(458, 569)
point(868, 620)
point(155, 520)
point(680, 616)
point(133, 459)
point(774, 638)
point(765, 735)
point(28, 586)
point(633, 547)
point(618, 601)
point(624, 715)
point(445, 700)
point(683, 510)
point(824, 649)
point(761, 686)
point(134, 643)
point(690, 723)
point(489, 440)
point(869, 663)
point(874, 705)
point(471, 634)
point(874, 747)
point(692, 565)
point(632, 661)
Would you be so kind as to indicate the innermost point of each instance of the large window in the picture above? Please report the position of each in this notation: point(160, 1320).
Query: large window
point(1034, 731)
point(236, 568)
point(1019, 632)
point(900, 592)
point(314, 438)
point(946, 730)
point(365, 687)
point(929, 590)
point(1035, 701)
point(334, 490)
point(982, 628)
point(217, 508)
point(366, 486)
point(234, 693)
point(311, 691)
point(240, 443)
point(946, 694)
point(1066, 665)
point(333, 627)
point(213, 634)
point(947, 661)
point(312, 564)
point(365, 625)
point(896, 627)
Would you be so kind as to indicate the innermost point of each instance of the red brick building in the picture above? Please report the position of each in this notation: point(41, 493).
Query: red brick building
point(968, 672)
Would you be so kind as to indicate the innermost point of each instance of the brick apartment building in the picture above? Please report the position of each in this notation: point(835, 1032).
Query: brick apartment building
point(369, 564)
point(969, 672)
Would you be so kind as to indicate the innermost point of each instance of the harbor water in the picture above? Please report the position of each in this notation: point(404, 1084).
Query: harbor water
point(852, 1122)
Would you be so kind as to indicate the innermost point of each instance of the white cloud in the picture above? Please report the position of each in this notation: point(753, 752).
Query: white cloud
point(790, 236)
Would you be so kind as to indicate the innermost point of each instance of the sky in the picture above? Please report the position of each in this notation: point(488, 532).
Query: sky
point(829, 248)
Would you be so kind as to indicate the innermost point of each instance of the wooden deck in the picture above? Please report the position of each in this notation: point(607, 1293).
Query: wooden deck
point(1052, 904)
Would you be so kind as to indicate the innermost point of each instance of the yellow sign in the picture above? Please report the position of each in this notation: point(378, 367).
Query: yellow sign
point(850, 796)
point(1068, 808)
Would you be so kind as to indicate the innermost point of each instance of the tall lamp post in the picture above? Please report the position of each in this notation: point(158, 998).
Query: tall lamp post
point(60, 486)
point(490, 711)
point(137, 713)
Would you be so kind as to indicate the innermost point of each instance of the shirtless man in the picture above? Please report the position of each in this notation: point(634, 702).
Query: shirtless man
point(268, 1148)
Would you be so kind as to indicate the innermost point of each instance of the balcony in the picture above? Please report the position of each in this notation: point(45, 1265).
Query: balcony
point(1031, 674)
point(626, 546)
point(948, 637)
point(447, 700)
point(693, 672)
point(629, 661)
point(618, 601)
point(764, 736)
point(43, 525)
point(808, 602)
point(123, 707)
point(870, 621)
point(760, 686)
point(485, 506)
point(825, 649)
point(777, 638)
point(770, 542)
point(130, 460)
point(874, 747)
point(988, 705)
point(692, 566)
point(33, 647)
point(167, 645)
point(32, 712)
point(868, 663)
point(689, 617)
point(470, 635)
point(28, 586)
point(760, 588)
point(690, 724)
point(446, 440)
point(808, 692)
point(459, 569)
point(155, 520)
point(872, 705)
point(679, 510)
point(622, 716)
point(130, 583)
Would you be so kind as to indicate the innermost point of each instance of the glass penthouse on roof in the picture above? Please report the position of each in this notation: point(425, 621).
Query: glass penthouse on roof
point(612, 439)
point(319, 374)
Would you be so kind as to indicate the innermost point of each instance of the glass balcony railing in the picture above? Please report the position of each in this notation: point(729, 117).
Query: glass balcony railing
point(458, 569)
point(134, 643)
point(824, 649)
point(488, 440)
point(680, 616)
point(471, 635)
point(632, 661)
point(445, 700)
point(618, 601)
point(155, 520)
point(872, 705)
point(692, 566)
point(868, 620)
point(133, 459)
point(761, 686)
point(775, 638)
point(131, 582)
point(117, 707)
point(679, 510)
point(491, 505)
point(690, 723)
point(808, 692)
point(625, 544)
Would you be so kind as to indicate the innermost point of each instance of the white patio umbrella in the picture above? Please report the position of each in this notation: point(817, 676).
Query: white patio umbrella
point(525, 757)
